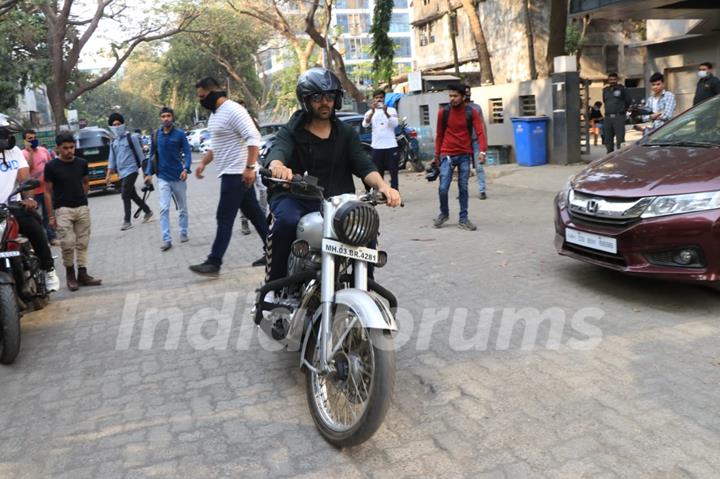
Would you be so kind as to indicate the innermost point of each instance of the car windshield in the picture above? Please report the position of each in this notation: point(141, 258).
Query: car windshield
point(699, 127)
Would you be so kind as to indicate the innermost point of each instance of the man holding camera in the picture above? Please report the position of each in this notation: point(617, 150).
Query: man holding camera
point(170, 160)
point(385, 150)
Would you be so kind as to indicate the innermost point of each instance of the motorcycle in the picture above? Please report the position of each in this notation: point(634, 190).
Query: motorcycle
point(406, 137)
point(22, 280)
point(636, 111)
point(340, 322)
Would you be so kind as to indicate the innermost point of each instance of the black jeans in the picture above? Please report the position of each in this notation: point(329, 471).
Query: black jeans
point(127, 189)
point(614, 131)
point(234, 196)
point(32, 228)
point(387, 160)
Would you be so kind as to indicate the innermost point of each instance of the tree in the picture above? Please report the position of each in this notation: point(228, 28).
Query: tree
point(530, 36)
point(7, 5)
point(284, 17)
point(23, 54)
point(68, 35)
point(382, 47)
point(558, 27)
point(486, 73)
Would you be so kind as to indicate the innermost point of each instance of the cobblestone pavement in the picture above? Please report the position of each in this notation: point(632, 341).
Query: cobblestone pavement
point(84, 401)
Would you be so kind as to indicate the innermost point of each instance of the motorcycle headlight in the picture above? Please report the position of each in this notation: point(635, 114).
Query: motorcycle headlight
point(678, 204)
point(356, 223)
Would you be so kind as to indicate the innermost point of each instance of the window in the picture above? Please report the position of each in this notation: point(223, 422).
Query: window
point(402, 47)
point(454, 24)
point(527, 105)
point(424, 115)
point(496, 111)
point(426, 34)
point(357, 48)
point(426, 2)
point(353, 23)
point(359, 4)
point(400, 22)
point(612, 58)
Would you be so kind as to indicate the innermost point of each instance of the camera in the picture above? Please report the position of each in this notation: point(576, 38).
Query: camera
point(147, 188)
point(432, 173)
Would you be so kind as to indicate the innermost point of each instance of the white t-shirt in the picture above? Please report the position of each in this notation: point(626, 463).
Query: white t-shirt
point(14, 160)
point(232, 131)
point(383, 128)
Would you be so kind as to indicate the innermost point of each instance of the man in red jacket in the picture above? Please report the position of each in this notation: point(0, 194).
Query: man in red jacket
point(453, 148)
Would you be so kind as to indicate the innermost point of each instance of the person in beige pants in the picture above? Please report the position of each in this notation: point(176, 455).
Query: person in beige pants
point(66, 189)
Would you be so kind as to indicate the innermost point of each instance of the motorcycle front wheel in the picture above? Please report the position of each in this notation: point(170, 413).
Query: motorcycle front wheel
point(349, 404)
point(9, 325)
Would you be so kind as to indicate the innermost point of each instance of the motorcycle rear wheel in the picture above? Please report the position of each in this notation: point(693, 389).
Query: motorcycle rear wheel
point(9, 325)
point(349, 405)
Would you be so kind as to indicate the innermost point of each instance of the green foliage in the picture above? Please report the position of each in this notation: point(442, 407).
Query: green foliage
point(382, 47)
point(281, 96)
point(573, 38)
point(23, 54)
point(97, 104)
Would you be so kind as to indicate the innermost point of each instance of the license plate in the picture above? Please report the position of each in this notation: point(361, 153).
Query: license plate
point(591, 240)
point(353, 252)
point(9, 254)
point(91, 152)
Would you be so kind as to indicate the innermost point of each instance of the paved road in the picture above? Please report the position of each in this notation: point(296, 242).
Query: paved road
point(621, 382)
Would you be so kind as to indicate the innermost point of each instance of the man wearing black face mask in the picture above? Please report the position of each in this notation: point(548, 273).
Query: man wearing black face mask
point(235, 149)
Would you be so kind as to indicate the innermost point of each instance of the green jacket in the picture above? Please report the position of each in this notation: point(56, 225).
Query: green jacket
point(333, 161)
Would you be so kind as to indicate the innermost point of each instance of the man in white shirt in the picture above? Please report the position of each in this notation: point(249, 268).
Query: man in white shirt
point(14, 169)
point(385, 150)
point(235, 149)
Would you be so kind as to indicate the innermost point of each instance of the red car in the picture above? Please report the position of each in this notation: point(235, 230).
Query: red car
point(652, 209)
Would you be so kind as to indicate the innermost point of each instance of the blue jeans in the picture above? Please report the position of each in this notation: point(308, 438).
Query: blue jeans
point(41, 206)
point(447, 165)
point(234, 196)
point(479, 170)
point(168, 189)
point(286, 212)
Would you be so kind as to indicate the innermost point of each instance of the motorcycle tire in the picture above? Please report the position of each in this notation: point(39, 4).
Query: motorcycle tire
point(9, 325)
point(381, 389)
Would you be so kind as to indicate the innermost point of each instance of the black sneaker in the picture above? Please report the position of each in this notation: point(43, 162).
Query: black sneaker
point(467, 225)
point(439, 221)
point(259, 262)
point(244, 227)
point(483, 196)
point(207, 269)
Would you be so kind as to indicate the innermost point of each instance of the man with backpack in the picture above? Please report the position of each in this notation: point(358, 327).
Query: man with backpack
point(169, 144)
point(478, 159)
point(453, 148)
point(126, 159)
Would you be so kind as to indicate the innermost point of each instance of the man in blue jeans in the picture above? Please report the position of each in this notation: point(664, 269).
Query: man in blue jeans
point(478, 156)
point(235, 149)
point(453, 149)
point(166, 161)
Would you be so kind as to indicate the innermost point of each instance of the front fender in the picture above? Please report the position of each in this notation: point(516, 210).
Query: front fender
point(367, 306)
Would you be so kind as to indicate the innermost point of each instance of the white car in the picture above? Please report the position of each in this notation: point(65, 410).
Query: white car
point(197, 137)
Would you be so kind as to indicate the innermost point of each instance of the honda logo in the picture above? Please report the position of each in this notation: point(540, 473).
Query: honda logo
point(591, 207)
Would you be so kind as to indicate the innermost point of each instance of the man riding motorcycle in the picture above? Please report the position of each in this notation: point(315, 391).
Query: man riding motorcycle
point(317, 142)
point(14, 169)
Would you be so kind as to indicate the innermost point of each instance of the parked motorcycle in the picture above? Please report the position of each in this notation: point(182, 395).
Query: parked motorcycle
point(22, 279)
point(636, 111)
point(337, 317)
point(406, 137)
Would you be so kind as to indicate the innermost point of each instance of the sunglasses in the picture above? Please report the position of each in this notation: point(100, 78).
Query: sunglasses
point(328, 96)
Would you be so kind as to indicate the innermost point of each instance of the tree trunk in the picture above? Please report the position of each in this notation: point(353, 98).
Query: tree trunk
point(486, 74)
point(56, 96)
point(558, 27)
point(530, 35)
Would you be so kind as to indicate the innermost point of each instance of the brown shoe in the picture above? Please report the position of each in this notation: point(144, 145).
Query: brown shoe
point(84, 279)
point(72, 283)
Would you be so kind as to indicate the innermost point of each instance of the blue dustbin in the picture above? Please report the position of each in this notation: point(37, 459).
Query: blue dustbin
point(530, 140)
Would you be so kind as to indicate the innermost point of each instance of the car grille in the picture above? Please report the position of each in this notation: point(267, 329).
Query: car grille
point(613, 212)
point(616, 259)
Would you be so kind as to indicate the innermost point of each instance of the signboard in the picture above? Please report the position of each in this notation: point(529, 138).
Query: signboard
point(415, 81)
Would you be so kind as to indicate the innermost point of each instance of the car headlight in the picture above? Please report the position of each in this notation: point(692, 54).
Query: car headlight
point(678, 204)
point(564, 194)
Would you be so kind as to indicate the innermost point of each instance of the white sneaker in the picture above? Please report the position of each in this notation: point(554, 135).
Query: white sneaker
point(52, 282)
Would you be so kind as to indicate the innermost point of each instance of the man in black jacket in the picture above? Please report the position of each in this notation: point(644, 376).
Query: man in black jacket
point(708, 85)
point(616, 102)
point(317, 142)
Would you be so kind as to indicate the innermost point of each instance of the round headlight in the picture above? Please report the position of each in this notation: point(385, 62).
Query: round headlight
point(356, 223)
